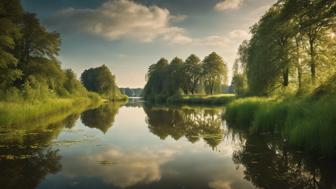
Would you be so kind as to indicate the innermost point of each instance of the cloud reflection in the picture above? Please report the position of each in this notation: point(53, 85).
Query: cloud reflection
point(120, 168)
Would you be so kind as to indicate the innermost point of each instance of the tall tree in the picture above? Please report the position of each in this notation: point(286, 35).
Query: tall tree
point(175, 77)
point(100, 80)
point(193, 74)
point(155, 79)
point(214, 73)
point(10, 12)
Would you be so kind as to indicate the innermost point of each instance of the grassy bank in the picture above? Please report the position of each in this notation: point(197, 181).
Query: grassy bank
point(307, 123)
point(202, 99)
point(23, 112)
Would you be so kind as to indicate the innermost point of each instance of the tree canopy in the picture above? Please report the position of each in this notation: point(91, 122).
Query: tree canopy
point(191, 76)
point(28, 57)
point(102, 81)
point(292, 48)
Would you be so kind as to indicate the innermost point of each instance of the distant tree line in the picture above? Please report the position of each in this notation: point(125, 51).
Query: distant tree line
point(132, 92)
point(191, 76)
point(292, 49)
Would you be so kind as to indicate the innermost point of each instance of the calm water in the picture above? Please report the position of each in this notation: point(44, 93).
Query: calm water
point(138, 146)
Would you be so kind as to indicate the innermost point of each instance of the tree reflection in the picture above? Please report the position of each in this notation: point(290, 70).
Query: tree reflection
point(193, 123)
point(26, 157)
point(101, 118)
point(270, 163)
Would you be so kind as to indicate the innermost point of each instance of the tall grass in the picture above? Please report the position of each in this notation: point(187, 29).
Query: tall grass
point(15, 113)
point(241, 112)
point(307, 123)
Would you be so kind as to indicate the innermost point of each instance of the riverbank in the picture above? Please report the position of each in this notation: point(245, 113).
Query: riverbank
point(219, 99)
point(23, 112)
point(307, 123)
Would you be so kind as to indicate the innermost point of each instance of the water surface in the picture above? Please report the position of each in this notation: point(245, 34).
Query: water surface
point(147, 146)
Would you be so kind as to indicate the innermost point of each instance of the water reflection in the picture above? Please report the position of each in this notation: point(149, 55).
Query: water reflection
point(270, 163)
point(160, 147)
point(26, 156)
point(119, 167)
point(194, 123)
point(101, 118)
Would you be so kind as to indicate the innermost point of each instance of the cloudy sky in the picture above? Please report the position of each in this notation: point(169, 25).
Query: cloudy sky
point(128, 36)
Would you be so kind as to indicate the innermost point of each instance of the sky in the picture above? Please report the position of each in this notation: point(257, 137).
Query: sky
point(130, 35)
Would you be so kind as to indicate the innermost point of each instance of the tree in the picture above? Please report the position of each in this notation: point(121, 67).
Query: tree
point(291, 45)
point(156, 76)
point(193, 73)
point(10, 11)
point(100, 80)
point(214, 73)
point(238, 82)
point(174, 77)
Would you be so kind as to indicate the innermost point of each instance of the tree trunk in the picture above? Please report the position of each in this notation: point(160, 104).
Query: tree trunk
point(298, 63)
point(285, 77)
point(299, 69)
point(312, 57)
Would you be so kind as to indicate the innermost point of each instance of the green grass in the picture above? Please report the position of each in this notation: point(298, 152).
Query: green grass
point(241, 112)
point(218, 99)
point(307, 123)
point(18, 113)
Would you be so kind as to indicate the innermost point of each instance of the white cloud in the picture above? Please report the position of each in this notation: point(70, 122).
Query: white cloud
point(224, 41)
point(239, 35)
point(228, 4)
point(116, 19)
point(257, 13)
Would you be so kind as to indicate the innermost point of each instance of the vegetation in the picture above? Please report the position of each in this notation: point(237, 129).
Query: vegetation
point(292, 48)
point(132, 92)
point(185, 77)
point(306, 122)
point(219, 99)
point(32, 82)
point(29, 68)
point(101, 81)
point(290, 61)
point(23, 113)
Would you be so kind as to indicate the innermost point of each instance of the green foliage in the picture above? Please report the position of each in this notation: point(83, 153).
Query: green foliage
point(29, 69)
point(16, 113)
point(291, 48)
point(155, 80)
point(102, 81)
point(214, 73)
point(193, 74)
point(9, 33)
point(307, 123)
point(241, 112)
point(239, 84)
point(181, 78)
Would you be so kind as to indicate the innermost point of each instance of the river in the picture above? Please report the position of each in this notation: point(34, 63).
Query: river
point(150, 146)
